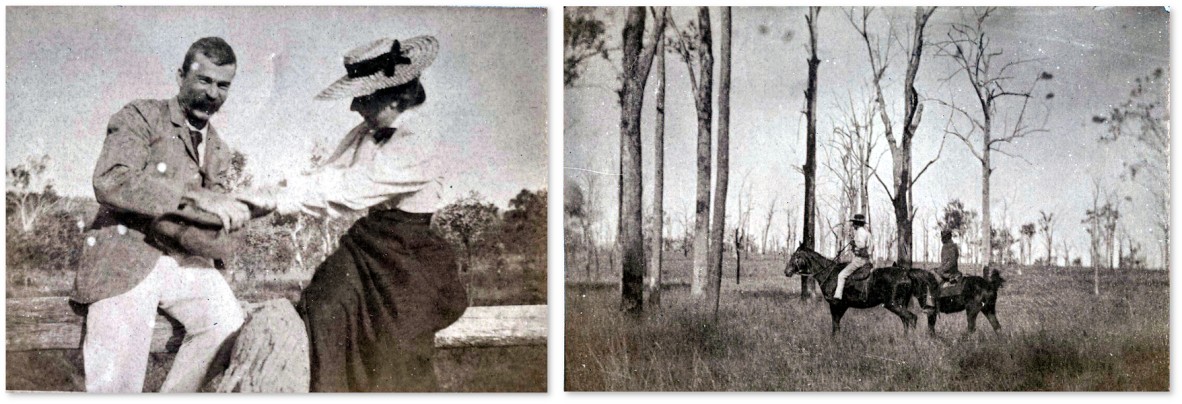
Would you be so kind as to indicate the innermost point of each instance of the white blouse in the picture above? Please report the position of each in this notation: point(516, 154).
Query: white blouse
point(402, 172)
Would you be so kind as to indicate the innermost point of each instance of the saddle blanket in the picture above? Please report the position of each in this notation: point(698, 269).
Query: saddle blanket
point(951, 289)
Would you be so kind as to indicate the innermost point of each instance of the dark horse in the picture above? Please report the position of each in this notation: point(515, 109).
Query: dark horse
point(891, 287)
point(977, 295)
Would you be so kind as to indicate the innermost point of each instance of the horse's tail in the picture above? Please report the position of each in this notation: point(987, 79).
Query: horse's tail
point(925, 285)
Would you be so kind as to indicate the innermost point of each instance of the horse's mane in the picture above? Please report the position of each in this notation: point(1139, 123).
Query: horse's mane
point(816, 256)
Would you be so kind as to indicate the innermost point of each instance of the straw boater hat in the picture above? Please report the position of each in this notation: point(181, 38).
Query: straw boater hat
point(381, 64)
point(858, 219)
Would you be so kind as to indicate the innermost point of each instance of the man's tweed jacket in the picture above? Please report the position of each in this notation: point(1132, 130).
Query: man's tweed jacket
point(147, 165)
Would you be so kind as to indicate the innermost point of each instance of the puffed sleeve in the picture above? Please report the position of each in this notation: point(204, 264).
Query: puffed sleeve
point(401, 166)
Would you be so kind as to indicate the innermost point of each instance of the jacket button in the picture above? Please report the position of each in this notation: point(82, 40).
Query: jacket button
point(162, 167)
point(90, 241)
point(121, 229)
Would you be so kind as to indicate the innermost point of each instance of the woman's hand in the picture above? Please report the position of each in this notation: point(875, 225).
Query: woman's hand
point(261, 201)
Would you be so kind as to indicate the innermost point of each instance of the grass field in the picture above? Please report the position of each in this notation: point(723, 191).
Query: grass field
point(1056, 335)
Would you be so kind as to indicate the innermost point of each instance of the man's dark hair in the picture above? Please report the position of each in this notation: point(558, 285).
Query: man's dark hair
point(945, 236)
point(409, 95)
point(216, 49)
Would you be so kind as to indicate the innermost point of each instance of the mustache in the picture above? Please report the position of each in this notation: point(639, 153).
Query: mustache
point(205, 105)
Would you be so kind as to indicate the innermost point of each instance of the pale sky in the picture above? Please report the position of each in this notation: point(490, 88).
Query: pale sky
point(69, 69)
point(1094, 55)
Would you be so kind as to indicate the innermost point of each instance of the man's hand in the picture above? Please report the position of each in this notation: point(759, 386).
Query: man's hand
point(260, 201)
point(232, 213)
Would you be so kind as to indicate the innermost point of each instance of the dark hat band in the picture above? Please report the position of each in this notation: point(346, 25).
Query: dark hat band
point(385, 63)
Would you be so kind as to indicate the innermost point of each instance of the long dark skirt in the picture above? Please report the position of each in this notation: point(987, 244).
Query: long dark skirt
point(374, 305)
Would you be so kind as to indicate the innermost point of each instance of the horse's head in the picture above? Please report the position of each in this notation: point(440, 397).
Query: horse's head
point(798, 263)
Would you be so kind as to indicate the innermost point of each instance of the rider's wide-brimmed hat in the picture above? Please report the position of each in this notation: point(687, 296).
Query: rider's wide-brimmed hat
point(858, 219)
point(382, 64)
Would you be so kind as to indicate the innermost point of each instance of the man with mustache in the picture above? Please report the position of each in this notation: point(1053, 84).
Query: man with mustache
point(161, 160)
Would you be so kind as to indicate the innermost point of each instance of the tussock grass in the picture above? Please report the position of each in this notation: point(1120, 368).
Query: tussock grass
point(1056, 335)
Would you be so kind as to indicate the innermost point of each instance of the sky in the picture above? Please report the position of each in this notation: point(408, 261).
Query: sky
point(1094, 56)
point(70, 68)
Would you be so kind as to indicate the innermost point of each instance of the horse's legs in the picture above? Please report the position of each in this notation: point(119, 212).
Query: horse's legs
point(836, 311)
point(970, 311)
point(932, 322)
point(904, 314)
point(991, 315)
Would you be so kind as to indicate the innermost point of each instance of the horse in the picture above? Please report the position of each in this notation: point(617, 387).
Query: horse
point(890, 287)
point(977, 295)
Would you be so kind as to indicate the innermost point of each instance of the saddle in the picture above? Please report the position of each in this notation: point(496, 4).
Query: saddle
point(862, 273)
point(857, 285)
point(950, 289)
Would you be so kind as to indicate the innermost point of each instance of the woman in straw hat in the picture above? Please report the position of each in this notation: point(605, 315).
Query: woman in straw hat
point(374, 305)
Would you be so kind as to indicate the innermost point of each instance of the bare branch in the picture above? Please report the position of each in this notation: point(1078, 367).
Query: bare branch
point(929, 164)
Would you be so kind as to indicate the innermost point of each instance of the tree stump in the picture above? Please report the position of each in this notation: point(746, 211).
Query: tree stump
point(270, 354)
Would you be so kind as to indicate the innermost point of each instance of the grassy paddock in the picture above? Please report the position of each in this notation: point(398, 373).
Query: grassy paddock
point(1056, 335)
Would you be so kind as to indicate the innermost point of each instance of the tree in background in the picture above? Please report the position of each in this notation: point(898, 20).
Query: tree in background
point(524, 233)
point(524, 227)
point(237, 176)
point(468, 222)
point(961, 221)
point(809, 226)
point(1046, 227)
point(653, 277)
point(637, 62)
point(722, 171)
point(1144, 118)
point(848, 156)
point(1003, 242)
point(1027, 231)
point(991, 81)
point(22, 196)
point(695, 46)
point(767, 224)
point(912, 113)
point(583, 41)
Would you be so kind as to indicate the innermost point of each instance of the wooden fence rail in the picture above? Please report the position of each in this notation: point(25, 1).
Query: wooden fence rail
point(271, 351)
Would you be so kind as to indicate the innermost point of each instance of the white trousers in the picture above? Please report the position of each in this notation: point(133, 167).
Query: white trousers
point(854, 264)
point(119, 328)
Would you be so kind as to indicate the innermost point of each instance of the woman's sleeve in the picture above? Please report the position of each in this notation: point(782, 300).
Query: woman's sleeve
point(392, 171)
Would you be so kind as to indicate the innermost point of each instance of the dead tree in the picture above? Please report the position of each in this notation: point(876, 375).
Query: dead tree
point(970, 47)
point(1046, 227)
point(1144, 119)
point(771, 213)
point(809, 226)
point(900, 148)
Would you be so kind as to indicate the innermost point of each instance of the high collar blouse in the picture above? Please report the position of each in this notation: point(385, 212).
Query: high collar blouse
point(401, 172)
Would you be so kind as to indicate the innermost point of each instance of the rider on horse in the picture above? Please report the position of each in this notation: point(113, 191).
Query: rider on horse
point(949, 255)
point(861, 249)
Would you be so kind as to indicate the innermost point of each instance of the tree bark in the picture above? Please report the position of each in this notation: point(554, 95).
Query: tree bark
point(703, 97)
point(637, 61)
point(722, 173)
point(738, 258)
point(809, 227)
point(654, 269)
point(986, 227)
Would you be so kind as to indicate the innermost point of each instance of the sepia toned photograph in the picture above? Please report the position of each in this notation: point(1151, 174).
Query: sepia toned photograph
point(276, 199)
point(866, 198)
